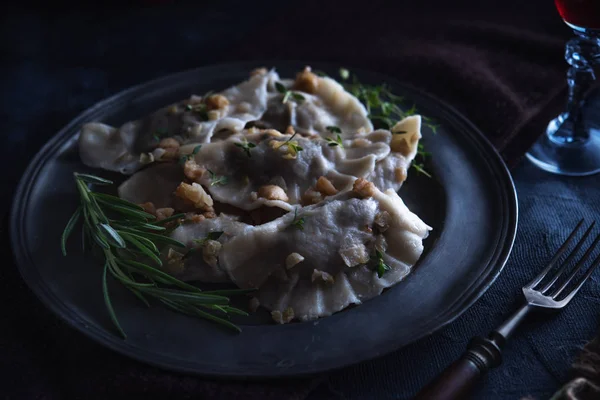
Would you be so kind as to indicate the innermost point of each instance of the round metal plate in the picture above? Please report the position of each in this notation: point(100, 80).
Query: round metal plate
point(470, 202)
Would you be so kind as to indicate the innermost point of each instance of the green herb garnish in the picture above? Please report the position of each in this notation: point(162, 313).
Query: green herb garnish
point(129, 240)
point(380, 266)
point(333, 129)
point(215, 235)
point(344, 73)
point(335, 142)
point(287, 94)
point(295, 149)
point(217, 180)
point(384, 109)
point(298, 222)
point(246, 146)
point(187, 157)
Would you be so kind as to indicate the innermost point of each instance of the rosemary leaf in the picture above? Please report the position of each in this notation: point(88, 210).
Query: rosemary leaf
point(93, 179)
point(137, 215)
point(108, 198)
point(68, 229)
point(170, 219)
point(139, 244)
point(190, 298)
point(113, 237)
point(161, 276)
point(107, 302)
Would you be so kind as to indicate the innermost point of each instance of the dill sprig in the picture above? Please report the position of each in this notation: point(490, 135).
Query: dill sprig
point(130, 241)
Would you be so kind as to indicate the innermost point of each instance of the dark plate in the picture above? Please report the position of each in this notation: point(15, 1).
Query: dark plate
point(470, 203)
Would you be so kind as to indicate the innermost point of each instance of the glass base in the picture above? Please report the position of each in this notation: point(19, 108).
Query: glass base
point(574, 159)
point(557, 152)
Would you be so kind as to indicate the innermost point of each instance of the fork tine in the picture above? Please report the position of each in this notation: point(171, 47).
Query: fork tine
point(565, 263)
point(582, 281)
point(559, 253)
point(577, 268)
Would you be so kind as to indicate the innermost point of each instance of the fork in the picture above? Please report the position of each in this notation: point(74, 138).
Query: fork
point(543, 293)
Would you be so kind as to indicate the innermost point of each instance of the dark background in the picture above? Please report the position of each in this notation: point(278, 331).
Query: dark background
point(498, 62)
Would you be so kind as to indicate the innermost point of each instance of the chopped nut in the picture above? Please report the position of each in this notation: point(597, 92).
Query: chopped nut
point(289, 130)
point(169, 143)
point(213, 115)
point(173, 109)
point(318, 275)
point(368, 229)
point(293, 259)
point(306, 81)
point(382, 220)
point(192, 170)
point(194, 194)
point(149, 207)
point(288, 315)
point(272, 132)
point(210, 252)
point(216, 102)
point(259, 71)
point(254, 304)
point(175, 262)
point(272, 192)
point(381, 243)
point(146, 158)
point(194, 218)
point(209, 214)
point(164, 212)
point(400, 174)
point(354, 255)
point(325, 187)
point(363, 188)
point(170, 153)
point(284, 317)
point(311, 196)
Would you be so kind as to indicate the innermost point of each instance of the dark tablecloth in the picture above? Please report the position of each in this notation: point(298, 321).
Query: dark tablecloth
point(500, 63)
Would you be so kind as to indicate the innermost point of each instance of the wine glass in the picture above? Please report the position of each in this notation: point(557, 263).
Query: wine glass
point(571, 144)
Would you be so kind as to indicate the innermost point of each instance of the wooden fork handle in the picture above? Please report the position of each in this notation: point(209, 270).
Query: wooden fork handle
point(458, 380)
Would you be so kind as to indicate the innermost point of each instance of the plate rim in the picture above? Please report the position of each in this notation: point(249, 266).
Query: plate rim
point(107, 339)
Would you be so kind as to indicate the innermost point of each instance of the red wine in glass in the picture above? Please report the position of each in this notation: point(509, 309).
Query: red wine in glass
point(583, 14)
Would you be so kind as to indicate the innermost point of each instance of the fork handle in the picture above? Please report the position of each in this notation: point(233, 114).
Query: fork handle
point(458, 380)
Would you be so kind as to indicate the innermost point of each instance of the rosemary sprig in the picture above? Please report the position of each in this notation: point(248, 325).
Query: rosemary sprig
point(288, 94)
point(129, 240)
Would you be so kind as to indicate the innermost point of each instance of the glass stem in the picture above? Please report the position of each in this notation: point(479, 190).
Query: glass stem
point(582, 52)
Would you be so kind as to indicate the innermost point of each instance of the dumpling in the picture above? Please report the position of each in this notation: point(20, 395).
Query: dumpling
point(201, 262)
point(215, 117)
point(336, 242)
point(193, 120)
point(274, 173)
point(319, 103)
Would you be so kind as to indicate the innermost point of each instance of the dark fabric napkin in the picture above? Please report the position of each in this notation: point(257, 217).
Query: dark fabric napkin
point(500, 63)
